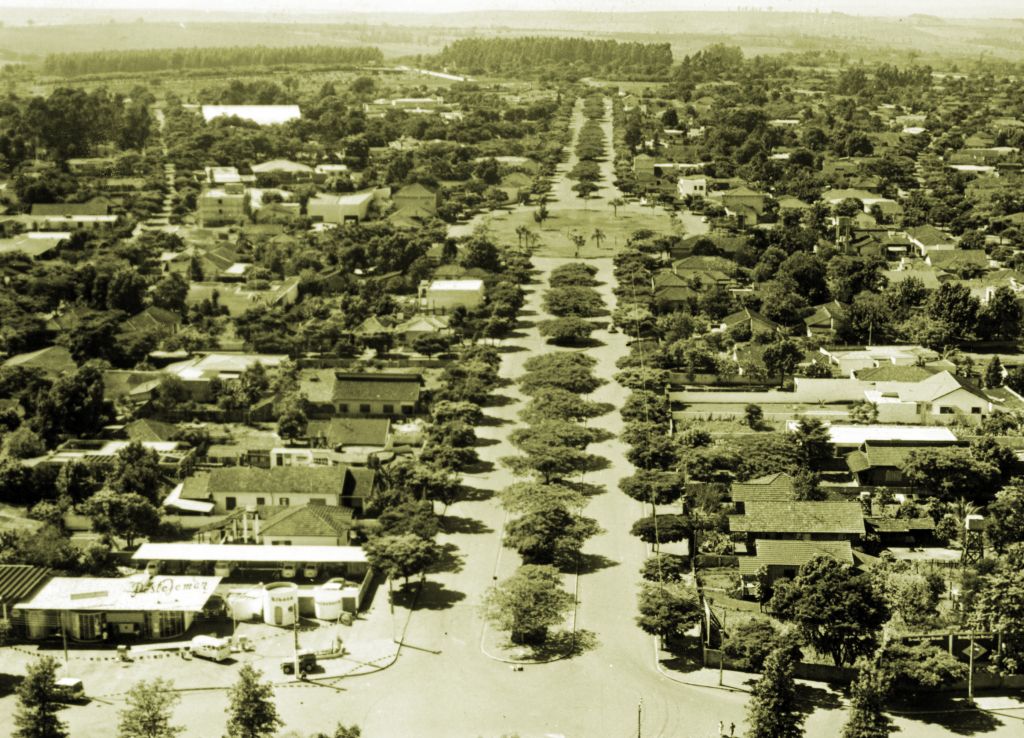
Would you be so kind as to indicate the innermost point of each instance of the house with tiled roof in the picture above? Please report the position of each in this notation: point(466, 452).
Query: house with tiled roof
point(777, 487)
point(825, 320)
point(896, 373)
point(925, 273)
point(801, 520)
point(781, 559)
point(756, 322)
point(229, 488)
point(153, 320)
point(333, 393)
point(928, 239)
point(880, 462)
point(346, 433)
point(416, 198)
point(959, 260)
point(149, 430)
point(51, 361)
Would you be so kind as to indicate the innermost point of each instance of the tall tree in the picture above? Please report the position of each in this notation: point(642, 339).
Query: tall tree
point(252, 712)
point(39, 703)
point(149, 709)
point(781, 357)
point(667, 610)
point(867, 717)
point(123, 514)
point(836, 610)
point(528, 603)
point(772, 711)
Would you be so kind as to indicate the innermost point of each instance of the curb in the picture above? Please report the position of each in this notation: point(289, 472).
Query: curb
point(658, 667)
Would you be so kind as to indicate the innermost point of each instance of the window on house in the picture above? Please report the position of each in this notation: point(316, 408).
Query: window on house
point(364, 408)
point(343, 408)
point(407, 409)
point(261, 500)
point(389, 408)
point(975, 411)
point(317, 501)
point(230, 503)
point(283, 501)
point(943, 410)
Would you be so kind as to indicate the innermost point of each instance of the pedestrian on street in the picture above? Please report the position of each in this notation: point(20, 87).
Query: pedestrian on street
point(732, 730)
point(721, 729)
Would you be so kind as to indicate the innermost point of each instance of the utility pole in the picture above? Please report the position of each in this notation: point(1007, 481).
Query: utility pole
point(64, 640)
point(639, 717)
point(295, 635)
point(970, 670)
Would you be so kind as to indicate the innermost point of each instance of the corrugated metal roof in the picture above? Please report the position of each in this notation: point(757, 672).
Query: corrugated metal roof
point(17, 581)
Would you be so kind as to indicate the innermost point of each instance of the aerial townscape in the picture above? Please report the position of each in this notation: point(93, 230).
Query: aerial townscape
point(510, 374)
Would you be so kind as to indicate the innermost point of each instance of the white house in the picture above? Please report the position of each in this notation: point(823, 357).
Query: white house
point(350, 208)
point(447, 294)
point(693, 185)
point(938, 400)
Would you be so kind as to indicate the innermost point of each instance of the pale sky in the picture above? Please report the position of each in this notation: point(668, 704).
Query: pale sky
point(948, 8)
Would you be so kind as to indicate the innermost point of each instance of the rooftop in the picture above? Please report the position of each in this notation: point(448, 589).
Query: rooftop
point(772, 488)
point(793, 553)
point(138, 593)
point(19, 580)
point(262, 114)
point(799, 517)
point(253, 554)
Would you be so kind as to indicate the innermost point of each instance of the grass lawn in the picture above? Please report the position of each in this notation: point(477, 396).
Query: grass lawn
point(554, 232)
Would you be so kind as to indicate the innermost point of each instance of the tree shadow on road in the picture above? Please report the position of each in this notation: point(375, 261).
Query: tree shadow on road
point(432, 596)
point(457, 525)
point(951, 715)
point(498, 400)
point(449, 561)
point(596, 463)
point(811, 699)
point(493, 421)
point(585, 488)
point(483, 442)
point(510, 348)
point(474, 494)
point(590, 563)
point(480, 466)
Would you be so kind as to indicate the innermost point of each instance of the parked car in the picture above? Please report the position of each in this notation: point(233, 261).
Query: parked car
point(70, 690)
point(214, 649)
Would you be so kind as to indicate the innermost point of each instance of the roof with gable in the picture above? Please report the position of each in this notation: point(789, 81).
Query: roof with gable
point(281, 165)
point(894, 373)
point(351, 431)
point(668, 278)
point(309, 521)
point(959, 258)
point(826, 313)
point(772, 488)
point(938, 386)
point(929, 235)
point(329, 481)
point(415, 190)
point(793, 554)
point(799, 517)
point(51, 360)
point(376, 387)
point(152, 317)
point(147, 429)
point(899, 525)
point(746, 314)
point(675, 293)
point(372, 326)
point(887, 454)
point(18, 581)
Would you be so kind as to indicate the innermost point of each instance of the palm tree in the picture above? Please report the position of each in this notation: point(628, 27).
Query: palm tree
point(578, 241)
point(521, 233)
point(598, 237)
point(616, 203)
